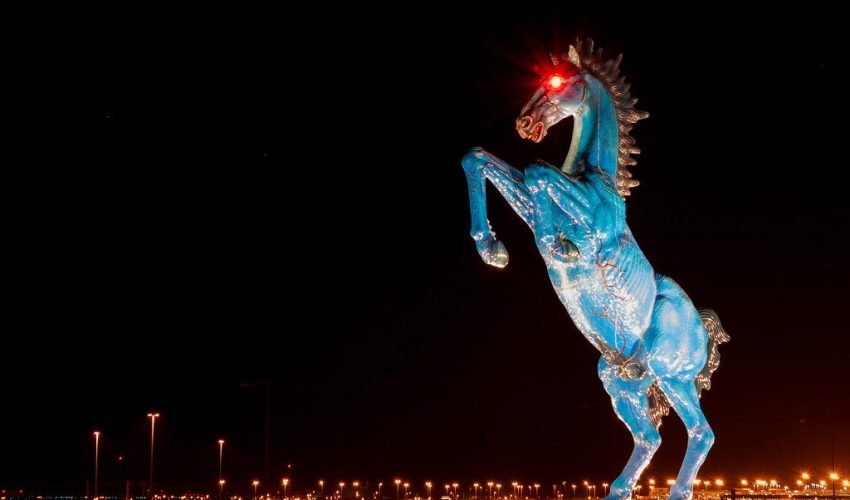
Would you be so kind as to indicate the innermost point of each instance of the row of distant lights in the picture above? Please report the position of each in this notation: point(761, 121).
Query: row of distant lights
point(804, 481)
point(670, 482)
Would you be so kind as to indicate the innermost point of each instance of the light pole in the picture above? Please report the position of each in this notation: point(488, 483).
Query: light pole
point(220, 456)
point(428, 485)
point(406, 486)
point(341, 488)
point(397, 484)
point(605, 489)
point(153, 417)
point(454, 485)
point(380, 486)
point(574, 490)
point(475, 488)
point(537, 491)
point(255, 483)
point(498, 489)
point(96, 457)
point(285, 482)
point(220, 487)
point(447, 489)
point(490, 489)
point(356, 485)
point(832, 476)
point(321, 488)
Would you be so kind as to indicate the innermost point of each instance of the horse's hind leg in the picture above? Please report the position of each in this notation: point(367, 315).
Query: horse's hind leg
point(632, 406)
point(685, 401)
point(677, 344)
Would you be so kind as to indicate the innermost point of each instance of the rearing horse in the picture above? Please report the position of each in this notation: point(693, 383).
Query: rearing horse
point(657, 349)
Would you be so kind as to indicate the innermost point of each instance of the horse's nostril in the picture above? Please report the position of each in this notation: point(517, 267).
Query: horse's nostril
point(523, 126)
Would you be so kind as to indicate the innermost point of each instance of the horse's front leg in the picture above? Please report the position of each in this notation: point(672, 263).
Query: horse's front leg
point(550, 187)
point(481, 166)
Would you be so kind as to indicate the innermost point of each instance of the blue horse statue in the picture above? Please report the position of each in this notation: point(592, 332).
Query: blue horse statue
point(657, 350)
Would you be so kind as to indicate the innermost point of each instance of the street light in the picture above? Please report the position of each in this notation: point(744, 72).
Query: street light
point(153, 417)
point(490, 489)
point(220, 456)
point(428, 485)
point(380, 485)
point(341, 489)
point(832, 476)
point(321, 488)
point(96, 457)
point(255, 483)
point(220, 487)
point(397, 484)
point(605, 489)
point(574, 490)
point(498, 489)
point(454, 485)
point(475, 488)
point(406, 486)
point(285, 482)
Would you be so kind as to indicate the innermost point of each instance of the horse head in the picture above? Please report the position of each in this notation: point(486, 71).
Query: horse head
point(560, 95)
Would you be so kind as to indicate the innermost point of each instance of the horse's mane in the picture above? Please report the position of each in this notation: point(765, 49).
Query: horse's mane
point(607, 72)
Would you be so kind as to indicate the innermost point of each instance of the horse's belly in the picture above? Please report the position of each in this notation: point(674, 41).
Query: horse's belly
point(605, 304)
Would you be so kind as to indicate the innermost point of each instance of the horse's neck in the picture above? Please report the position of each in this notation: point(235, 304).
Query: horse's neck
point(596, 136)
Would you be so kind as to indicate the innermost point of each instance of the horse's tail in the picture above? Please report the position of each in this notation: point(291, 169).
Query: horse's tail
point(716, 336)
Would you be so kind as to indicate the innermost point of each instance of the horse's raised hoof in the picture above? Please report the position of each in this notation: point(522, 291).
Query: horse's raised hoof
point(491, 250)
point(497, 254)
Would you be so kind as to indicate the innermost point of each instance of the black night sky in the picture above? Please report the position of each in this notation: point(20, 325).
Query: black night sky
point(225, 197)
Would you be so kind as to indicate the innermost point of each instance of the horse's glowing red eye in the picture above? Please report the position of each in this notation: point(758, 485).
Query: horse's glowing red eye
point(556, 81)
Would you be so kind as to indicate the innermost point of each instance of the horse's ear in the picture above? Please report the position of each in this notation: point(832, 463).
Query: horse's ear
point(573, 57)
point(555, 60)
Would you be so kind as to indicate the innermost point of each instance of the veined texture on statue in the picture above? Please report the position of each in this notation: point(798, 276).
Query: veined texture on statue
point(657, 350)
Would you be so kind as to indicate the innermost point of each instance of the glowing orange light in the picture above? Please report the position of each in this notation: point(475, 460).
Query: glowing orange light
point(556, 81)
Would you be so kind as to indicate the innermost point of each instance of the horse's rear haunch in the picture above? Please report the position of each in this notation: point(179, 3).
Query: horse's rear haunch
point(659, 405)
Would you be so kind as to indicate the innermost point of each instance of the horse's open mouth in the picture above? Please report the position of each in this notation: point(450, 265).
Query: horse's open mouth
point(555, 148)
point(527, 129)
